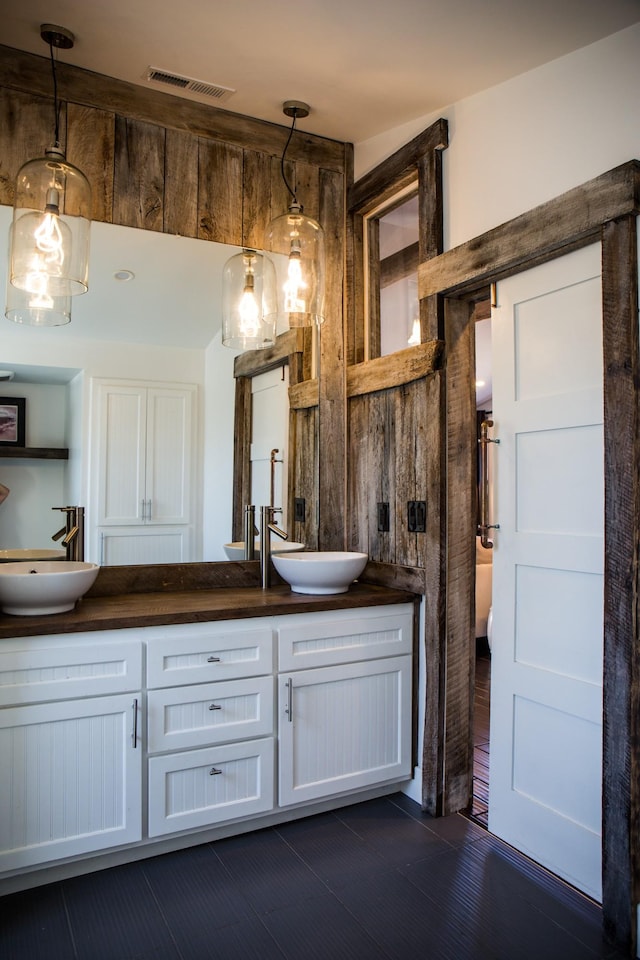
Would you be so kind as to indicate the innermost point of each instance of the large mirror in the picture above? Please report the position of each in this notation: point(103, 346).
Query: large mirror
point(152, 314)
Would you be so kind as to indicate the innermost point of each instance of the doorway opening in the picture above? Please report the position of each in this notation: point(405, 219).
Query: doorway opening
point(479, 807)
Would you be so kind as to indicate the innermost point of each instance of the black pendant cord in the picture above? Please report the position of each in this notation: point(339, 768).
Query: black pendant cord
point(56, 106)
point(284, 153)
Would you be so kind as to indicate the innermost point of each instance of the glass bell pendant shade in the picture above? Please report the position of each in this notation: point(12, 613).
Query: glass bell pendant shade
point(301, 240)
point(49, 250)
point(36, 309)
point(249, 303)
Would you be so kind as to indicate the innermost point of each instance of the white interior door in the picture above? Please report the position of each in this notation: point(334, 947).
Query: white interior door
point(546, 671)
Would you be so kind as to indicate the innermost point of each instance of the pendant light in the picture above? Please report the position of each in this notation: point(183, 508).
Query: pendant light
point(49, 250)
point(301, 240)
point(249, 304)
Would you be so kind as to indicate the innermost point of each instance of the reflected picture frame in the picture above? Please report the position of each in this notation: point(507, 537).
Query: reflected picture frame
point(12, 421)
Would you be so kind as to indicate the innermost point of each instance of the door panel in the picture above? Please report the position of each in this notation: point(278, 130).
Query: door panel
point(546, 676)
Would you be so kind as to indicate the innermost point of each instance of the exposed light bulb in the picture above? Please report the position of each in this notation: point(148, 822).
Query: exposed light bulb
point(248, 307)
point(414, 339)
point(48, 235)
point(294, 284)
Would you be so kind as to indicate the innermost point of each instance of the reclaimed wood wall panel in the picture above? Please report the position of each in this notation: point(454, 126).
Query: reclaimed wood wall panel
point(357, 462)
point(621, 728)
point(332, 466)
point(256, 198)
point(241, 455)
point(26, 130)
point(181, 184)
point(32, 74)
point(303, 441)
point(381, 475)
point(91, 147)
point(220, 185)
point(138, 180)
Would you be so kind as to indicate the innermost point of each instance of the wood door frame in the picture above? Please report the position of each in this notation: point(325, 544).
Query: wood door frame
point(602, 210)
point(295, 349)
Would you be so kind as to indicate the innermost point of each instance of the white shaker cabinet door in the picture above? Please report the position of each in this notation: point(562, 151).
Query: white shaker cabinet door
point(71, 779)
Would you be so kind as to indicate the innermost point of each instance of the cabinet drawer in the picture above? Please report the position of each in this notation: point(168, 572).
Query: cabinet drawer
point(201, 653)
point(63, 673)
point(183, 717)
point(205, 787)
point(347, 636)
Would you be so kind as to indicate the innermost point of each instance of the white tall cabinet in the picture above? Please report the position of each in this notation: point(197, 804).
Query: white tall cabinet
point(142, 501)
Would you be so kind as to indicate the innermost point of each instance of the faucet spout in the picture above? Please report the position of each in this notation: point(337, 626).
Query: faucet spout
point(274, 528)
point(267, 527)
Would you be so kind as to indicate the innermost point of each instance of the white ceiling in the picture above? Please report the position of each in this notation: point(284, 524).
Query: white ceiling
point(364, 66)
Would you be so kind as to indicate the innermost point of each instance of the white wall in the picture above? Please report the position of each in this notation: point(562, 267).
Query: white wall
point(529, 140)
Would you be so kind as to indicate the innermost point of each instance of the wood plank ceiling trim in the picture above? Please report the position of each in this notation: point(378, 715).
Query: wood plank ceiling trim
point(32, 74)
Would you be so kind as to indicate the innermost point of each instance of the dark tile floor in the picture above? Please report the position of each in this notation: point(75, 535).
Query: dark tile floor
point(376, 880)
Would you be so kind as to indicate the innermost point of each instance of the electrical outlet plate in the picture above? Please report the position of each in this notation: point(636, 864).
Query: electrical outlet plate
point(417, 516)
point(299, 510)
point(383, 518)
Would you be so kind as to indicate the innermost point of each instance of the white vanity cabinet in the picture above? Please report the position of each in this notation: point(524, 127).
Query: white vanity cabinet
point(210, 724)
point(70, 752)
point(344, 694)
point(159, 736)
point(141, 473)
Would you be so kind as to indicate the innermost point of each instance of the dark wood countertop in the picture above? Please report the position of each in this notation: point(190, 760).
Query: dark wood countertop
point(109, 611)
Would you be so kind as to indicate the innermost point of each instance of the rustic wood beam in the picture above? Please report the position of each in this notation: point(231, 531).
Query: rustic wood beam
point(459, 676)
point(32, 74)
point(540, 234)
point(254, 362)
point(408, 365)
point(399, 265)
point(621, 693)
point(304, 395)
point(398, 170)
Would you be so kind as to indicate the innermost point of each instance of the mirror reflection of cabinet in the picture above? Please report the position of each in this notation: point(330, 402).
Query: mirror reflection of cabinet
point(142, 504)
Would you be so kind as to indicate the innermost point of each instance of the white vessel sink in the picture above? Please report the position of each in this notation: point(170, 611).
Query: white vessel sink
point(235, 550)
point(44, 586)
point(318, 572)
point(12, 556)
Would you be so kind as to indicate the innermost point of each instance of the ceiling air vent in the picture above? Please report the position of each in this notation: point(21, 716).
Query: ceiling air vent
point(201, 87)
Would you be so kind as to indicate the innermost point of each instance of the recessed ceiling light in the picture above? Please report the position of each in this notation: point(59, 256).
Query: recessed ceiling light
point(124, 275)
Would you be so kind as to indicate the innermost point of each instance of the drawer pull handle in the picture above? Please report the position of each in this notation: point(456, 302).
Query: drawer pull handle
point(215, 706)
point(213, 659)
point(214, 771)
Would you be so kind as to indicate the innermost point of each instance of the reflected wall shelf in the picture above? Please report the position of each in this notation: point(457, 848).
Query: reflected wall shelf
point(35, 453)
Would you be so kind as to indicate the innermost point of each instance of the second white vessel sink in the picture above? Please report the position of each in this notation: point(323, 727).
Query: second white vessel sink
point(320, 571)
point(235, 550)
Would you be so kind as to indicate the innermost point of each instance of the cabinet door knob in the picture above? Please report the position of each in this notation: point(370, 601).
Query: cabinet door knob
point(214, 706)
point(214, 771)
point(213, 659)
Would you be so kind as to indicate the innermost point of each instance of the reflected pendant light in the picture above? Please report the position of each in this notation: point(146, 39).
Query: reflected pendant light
point(49, 250)
point(249, 304)
point(301, 240)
